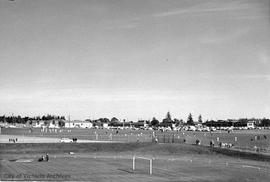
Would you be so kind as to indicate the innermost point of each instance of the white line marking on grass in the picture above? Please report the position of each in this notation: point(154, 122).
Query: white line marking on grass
point(24, 160)
point(254, 167)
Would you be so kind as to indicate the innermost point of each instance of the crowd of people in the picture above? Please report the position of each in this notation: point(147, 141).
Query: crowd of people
point(14, 140)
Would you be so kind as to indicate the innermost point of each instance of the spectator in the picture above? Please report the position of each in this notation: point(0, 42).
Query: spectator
point(212, 144)
point(47, 157)
point(42, 158)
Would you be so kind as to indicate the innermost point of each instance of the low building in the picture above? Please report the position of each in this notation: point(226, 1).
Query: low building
point(38, 123)
point(53, 124)
point(78, 124)
point(198, 124)
point(250, 125)
point(105, 125)
point(141, 124)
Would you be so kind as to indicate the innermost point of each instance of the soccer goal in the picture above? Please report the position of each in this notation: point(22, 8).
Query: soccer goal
point(143, 158)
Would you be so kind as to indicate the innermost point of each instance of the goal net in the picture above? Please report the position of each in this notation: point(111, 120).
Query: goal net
point(142, 164)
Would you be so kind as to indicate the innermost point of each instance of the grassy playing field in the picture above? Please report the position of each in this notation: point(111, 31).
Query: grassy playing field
point(247, 139)
point(84, 134)
point(113, 162)
point(243, 139)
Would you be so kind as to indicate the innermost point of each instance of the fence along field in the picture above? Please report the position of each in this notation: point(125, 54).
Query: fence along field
point(251, 140)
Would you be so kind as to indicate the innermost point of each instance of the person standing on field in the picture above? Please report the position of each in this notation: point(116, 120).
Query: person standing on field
point(47, 157)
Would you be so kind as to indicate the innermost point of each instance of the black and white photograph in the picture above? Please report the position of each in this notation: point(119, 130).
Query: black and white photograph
point(135, 90)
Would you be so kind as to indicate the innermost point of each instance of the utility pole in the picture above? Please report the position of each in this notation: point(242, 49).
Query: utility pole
point(12, 119)
point(69, 120)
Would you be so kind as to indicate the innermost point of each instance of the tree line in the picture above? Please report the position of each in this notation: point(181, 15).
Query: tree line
point(24, 120)
point(168, 121)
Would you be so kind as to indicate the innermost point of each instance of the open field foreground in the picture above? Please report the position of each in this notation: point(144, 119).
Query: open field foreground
point(113, 162)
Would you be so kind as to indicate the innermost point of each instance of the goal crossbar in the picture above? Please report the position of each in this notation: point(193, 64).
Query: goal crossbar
point(144, 158)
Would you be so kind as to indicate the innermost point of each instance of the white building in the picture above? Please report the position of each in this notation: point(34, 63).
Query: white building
point(55, 125)
point(250, 125)
point(42, 124)
point(78, 124)
point(105, 125)
point(38, 124)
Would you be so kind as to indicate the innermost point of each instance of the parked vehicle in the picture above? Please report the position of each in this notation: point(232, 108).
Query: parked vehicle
point(65, 140)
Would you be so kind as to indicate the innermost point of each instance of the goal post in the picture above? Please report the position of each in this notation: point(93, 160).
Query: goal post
point(144, 158)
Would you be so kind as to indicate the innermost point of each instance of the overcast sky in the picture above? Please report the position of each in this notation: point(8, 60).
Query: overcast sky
point(135, 59)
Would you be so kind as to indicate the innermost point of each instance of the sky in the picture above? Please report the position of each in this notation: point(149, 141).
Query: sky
point(135, 59)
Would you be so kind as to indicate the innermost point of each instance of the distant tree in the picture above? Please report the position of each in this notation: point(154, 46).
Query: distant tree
point(43, 118)
point(106, 120)
point(114, 122)
point(114, 119)
point(168, 119)
point(154, 122)
point(200, 119)
point(265, 122)
point(241, 122)
point(19, 119)
point(25, 119)
point(190, 120)
point(61, 123)
point(178, 122)
point(100, 120)
point(3, 118)
point(46, 122)
point(168, 116)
